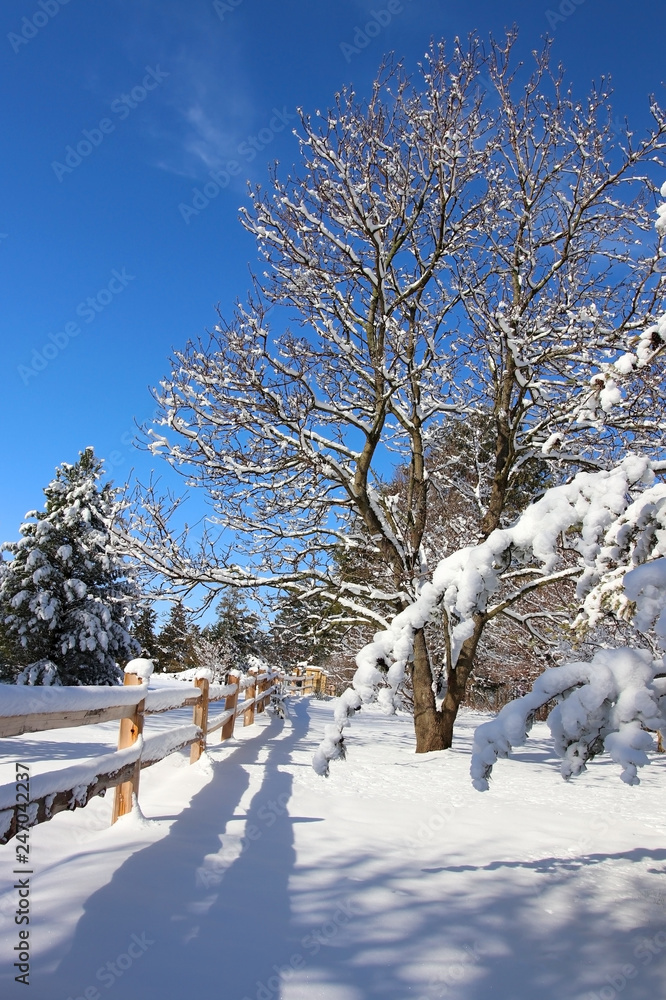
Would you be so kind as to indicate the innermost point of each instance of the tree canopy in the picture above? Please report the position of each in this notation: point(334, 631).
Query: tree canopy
point(437, 257)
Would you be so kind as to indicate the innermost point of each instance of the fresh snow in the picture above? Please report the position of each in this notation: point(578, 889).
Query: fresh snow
point(78, 775)
point(390, 880)
point(140, 666)
point(160, 695)
point(17, 699)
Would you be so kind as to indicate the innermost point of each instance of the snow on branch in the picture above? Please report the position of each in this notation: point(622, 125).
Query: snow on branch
point(646, 586)
point(591, 506)
point(604, 704)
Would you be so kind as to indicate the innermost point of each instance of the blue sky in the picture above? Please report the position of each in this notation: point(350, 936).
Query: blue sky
point(104, 270)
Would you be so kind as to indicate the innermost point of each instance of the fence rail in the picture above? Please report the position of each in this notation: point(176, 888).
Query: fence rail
point(308, 682)
point(73, 787)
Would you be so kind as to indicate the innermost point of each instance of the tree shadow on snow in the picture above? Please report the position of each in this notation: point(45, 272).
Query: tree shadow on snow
point(200, 919)
point(545, 928)
point(374, 924)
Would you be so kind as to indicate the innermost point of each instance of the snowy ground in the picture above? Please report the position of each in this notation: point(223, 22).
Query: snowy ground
point(253, 879)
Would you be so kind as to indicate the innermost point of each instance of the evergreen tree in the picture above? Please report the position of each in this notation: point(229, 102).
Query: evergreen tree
point(144, 633)
point(176, 642)
point(66, 595)
point(316, 630)
point(235, 630)
point(6, 645)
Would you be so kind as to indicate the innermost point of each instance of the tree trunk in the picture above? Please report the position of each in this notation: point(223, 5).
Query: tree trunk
point(434, 729)
point(427, 720)
point(455, 692)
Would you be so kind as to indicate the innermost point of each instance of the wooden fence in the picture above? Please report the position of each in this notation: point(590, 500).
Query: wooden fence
point(121, 770)
point(306, 681)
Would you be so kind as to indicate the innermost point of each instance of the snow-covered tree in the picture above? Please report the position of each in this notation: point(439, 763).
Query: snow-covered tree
point(175, 643)
point(233, 641)
point(237, 626)
point(66, 595)
point(616, 523)
point(438, 255)
point(144, 632)
point(7, 672)
point(217, 655)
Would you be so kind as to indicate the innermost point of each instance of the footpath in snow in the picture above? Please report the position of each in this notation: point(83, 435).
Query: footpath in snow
point(252, 879)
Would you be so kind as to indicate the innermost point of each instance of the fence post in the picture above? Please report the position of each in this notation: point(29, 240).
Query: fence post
point(130, 730)
point(200, 719)
point(268, 685)
point(230, 702)
point(263, 684)
point(248, 714)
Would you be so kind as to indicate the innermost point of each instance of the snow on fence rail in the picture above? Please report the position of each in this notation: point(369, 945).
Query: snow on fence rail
point(30, 710)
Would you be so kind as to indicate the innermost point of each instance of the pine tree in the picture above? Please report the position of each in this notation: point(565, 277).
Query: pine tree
point(144, 633)
point(297, 633)
point(6, 645)
point(235, 630)
point(176, 642)
point(66, 595)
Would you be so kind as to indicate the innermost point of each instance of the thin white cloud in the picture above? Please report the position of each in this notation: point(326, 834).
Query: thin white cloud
point(206, 109)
